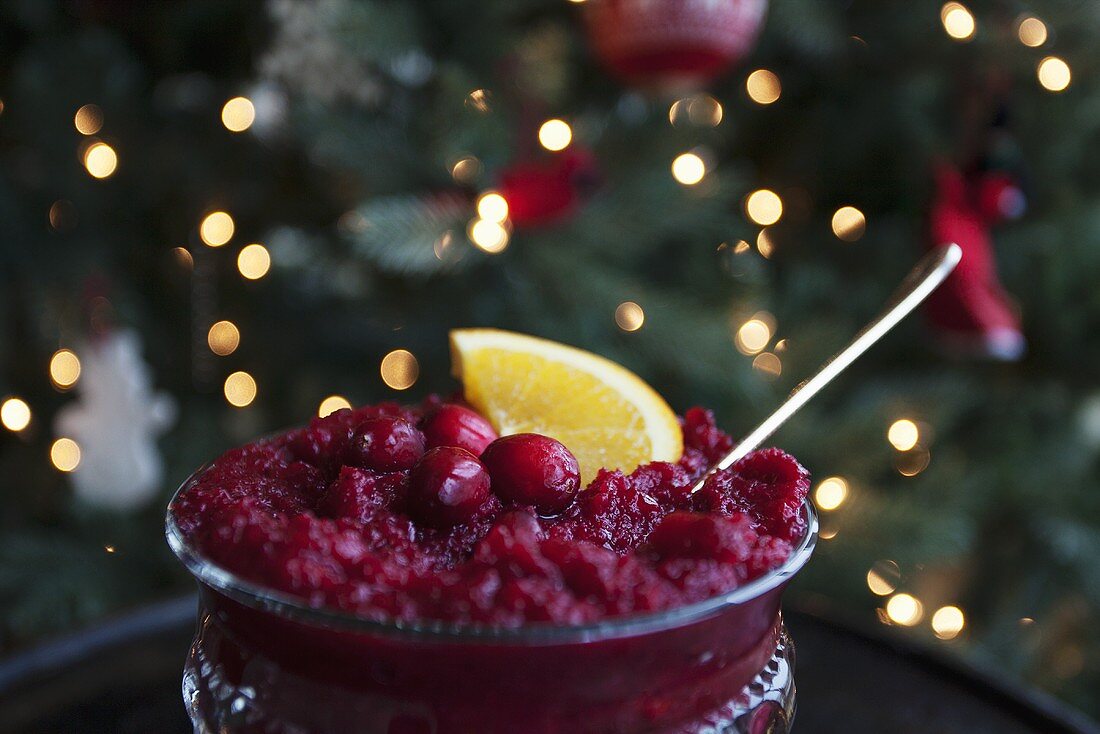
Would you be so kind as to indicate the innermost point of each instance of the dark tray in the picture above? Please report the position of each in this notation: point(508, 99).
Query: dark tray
point(124, 676)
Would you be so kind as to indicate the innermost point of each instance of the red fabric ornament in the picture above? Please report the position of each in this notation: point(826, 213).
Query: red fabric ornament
point(971, 312)
point(672, 45)
point(548, 189)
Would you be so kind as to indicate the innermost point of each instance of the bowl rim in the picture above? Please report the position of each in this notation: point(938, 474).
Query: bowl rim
point(261, 598)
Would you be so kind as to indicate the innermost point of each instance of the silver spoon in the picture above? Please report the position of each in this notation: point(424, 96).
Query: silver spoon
point(924, 278)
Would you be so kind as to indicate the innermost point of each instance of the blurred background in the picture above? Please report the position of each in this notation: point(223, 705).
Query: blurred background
point(221, 218)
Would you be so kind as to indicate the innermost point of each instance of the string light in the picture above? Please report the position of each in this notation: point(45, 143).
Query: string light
point(957, 21)
point(100, 160)
point(492, 206)
point(239, 389)
point(253, 261)
point(629, 316)
point(64, 369)
point(65, 454)
point(399, 369)
point(88, 119)
point(555, 135)
point(238, 114)
point(488, 236)
point(688, 169)
point(763, 87)
point(216, 229)
point(223, 338)
point(948, 622)
point(1031, 31)
point(831, 493)
point(753, 336)
point(764, 207)
point(15, 414)
point(883, 578)
point(904, 609)
point(331, 404)
point(849, 223)
point(903, 434)
point(1054, 74)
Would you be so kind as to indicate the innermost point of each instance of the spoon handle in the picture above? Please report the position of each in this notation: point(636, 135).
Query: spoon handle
point(924, 278)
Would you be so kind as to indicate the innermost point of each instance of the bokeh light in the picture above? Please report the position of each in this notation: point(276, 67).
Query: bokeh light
point(492, 206)
point(555, 135)
point(65, 454)
point(1054, 74)
point(883, 578)
point(399, 369)
point(903, 434)
point(765, 245)
point(478, 100)
point(64, 368)
point(849, 223)
point(488, 236)
point(831, 493)
point(958, 21)
point(100, 160)
point(948, 622)
point(331, 404)
point(253, 261)
point(217, 228)
point(88, 119)
point(240, 389)
point(1031, 31)
point(763, 86)
point(768, 364)
point(223, 338)
point(688, 169)
point(904, 609)
point(465, 169)
point(629, 316)
point(238, 114)
point(913, 462)
point(15, 414)
point(184, 257)
point(753, 336)
point(764, 207)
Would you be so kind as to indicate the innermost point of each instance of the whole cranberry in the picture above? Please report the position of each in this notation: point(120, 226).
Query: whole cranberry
point(384, 444)
point(530, 469)
point(455, 425)
point(446, 487)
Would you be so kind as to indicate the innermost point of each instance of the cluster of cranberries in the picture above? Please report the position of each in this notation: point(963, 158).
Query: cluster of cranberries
point(424, 513)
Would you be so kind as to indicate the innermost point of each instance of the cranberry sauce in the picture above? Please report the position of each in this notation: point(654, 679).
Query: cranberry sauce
point(408, 514)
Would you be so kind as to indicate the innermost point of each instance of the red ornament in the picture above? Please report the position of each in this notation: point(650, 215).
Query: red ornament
point(673, 45)
point(549, 189)
point(971, 312)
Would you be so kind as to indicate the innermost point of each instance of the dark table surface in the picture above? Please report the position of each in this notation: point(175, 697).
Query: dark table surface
point(125, 677)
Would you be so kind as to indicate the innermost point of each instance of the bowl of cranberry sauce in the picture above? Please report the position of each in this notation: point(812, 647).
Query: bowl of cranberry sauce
point(402, 570)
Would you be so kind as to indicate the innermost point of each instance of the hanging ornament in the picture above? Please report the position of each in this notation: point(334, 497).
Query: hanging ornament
point(672, 46)
point(547, 189)
point(115, 423)
point(971, 313)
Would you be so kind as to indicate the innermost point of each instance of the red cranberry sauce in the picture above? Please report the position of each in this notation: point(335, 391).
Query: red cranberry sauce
point(323, 515)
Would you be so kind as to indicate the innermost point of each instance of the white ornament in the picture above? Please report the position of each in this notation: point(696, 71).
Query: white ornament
point(115, 422)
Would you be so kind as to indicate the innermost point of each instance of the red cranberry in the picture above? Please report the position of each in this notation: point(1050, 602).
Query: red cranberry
point(446, 487)
point(385, 444)
point(454, 425)
point(530, 469)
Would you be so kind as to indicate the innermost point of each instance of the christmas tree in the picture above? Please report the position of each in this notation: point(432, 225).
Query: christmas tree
point(283, 208)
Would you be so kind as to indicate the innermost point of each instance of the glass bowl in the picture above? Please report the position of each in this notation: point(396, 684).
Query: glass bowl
point(263, 661)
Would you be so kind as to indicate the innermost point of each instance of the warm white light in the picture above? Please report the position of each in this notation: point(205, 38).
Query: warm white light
point(331, 404)
point(763, 86)
point(223, 338)
point(465, 169)
point(903, 434)
point(831, 493)
point(948, 622)
point(1032, 32)
point(957, 21)
point(555, 135)
point(65, 454)
point(88, 119)
point(688, 169)
point(253, 261)
point(64, 368)
point(904, 609)
point(478, 100)
point(753, 336)
point(768, 364)
point(764, 207)
point(629, 316)
point(1054, 74)
point(849, 223)
point(883, 577)
point(15, 414)
point(765, 245)
point(488, 236)
point(240, 389)
point(238, 114)
point(399, 369)
point(100, 160)
point(217, 228)
point(492, 206)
